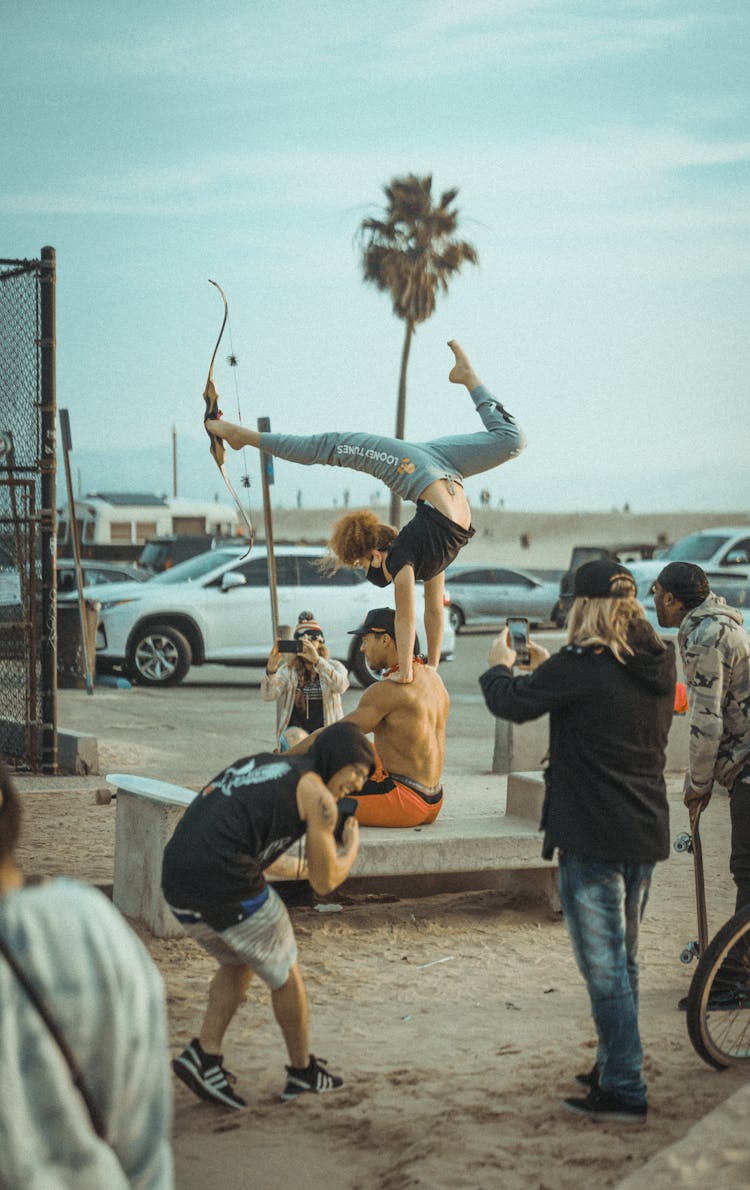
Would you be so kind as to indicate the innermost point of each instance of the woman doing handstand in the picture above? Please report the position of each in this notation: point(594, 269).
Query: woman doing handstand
point(429, 473)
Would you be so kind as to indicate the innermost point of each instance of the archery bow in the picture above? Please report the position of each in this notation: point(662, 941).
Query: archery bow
point(211, 397)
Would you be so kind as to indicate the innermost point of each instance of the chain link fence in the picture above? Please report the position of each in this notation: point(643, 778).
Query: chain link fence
point(28, 638)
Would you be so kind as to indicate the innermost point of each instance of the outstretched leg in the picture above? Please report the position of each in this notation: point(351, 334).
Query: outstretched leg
point(462, 371)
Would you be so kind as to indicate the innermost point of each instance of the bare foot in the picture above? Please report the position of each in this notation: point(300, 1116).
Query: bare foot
point(462, 371)
point(234, 436)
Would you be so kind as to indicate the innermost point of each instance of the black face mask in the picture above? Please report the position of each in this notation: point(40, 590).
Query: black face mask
point(376, 576)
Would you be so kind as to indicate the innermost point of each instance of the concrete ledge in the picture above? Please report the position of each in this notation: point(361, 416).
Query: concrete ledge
point(147, 813)
point(525, 796)
point(715, 1152)
point(77, 753)
point(466, 843)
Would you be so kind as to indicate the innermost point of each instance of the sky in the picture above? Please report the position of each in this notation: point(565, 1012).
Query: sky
point(602, 156)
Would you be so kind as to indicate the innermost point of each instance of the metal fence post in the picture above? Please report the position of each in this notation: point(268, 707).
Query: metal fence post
point(48, 469)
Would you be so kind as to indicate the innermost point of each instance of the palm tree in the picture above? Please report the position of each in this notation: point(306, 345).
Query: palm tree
point(412, 254)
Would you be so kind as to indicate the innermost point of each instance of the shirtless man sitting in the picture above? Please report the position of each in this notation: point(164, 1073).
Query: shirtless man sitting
point(408, 725)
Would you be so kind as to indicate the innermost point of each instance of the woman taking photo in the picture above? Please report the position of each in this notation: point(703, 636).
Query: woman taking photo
point(307, 686)
point(609, 693)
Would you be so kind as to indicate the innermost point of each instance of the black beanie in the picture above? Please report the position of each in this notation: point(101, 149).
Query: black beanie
point(339, 745)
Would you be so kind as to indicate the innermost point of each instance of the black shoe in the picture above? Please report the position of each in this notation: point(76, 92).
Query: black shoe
point(315, 1078)
point(206, 1076)
point(589, 1079)
point(601, 1105)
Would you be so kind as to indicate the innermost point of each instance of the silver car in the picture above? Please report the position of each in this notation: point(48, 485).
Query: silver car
point(483, 596)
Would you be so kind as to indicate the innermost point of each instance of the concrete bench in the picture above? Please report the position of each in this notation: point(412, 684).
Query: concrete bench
point(480, 839)
point(147, 813)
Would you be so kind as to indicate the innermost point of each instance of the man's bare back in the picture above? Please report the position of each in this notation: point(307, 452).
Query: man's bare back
point(408, 724)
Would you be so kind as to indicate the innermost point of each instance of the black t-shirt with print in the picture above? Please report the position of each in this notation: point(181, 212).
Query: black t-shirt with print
point(243, 820)
point(429, 543)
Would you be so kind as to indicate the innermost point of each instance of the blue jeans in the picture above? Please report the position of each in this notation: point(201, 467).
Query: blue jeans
point(407, 468)
point(603, 904)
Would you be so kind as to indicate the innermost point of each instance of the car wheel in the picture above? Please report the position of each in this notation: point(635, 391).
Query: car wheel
point(159, 656)
point(361, 670)
point(456, 617)
point(557, 616)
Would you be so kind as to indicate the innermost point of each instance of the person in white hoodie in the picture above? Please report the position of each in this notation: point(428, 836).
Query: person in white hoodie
point(85, 1094)
point(715, 651)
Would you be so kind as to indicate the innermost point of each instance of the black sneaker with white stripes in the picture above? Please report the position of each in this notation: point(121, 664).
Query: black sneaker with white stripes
point(206, 1076)
point(314, 1078)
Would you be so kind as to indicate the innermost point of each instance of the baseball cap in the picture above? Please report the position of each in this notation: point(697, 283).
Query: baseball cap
point(380, 619)
point(596, 580)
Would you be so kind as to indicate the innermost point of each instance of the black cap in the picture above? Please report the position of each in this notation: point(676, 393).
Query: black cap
point(380, 619)
point(686, 581)
point(595, 580)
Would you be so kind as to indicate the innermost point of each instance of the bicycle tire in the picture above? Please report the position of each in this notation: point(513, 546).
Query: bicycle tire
point(721, 1035)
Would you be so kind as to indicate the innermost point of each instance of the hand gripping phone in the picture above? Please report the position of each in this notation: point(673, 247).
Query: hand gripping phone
point(347, 807)
point(518, 631)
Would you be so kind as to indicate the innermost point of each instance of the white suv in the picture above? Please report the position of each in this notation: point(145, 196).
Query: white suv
point(216, 609)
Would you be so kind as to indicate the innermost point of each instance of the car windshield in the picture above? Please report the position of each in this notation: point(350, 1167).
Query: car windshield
point(697, 548)
point(195, 568)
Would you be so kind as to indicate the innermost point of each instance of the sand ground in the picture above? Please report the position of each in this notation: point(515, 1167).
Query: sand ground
point(456, 1020)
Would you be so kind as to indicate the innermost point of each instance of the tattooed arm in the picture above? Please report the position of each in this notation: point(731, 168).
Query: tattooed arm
point(328, 864)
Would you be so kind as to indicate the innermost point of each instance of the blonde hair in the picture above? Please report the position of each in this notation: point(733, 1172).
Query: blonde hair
point(354, 537)
point(611, 623)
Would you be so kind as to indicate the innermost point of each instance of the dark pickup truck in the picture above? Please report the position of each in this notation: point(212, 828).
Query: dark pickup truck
point(632, 552)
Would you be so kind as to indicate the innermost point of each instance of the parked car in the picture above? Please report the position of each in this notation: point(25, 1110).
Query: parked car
point(724, 554)
point(215, 609)
point(162, 553)
point(96, 574)
point(628, 553)
point(485, 595)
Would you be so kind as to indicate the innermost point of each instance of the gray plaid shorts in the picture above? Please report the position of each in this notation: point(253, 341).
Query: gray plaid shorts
point(264, 942)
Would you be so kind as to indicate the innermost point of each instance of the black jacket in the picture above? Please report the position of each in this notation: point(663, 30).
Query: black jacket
point(609, 723)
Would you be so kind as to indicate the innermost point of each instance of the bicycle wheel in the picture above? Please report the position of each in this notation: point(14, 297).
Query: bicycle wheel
point(718, 1009)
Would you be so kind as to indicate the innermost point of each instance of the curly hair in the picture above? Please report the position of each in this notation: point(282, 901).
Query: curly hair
point(355, 536)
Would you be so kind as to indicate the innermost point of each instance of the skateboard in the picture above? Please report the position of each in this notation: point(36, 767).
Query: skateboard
point(691, 843)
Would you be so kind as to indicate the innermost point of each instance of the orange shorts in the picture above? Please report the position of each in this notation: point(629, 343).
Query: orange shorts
point(386, 801)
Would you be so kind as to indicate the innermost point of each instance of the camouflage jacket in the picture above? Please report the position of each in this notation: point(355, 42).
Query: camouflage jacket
point(715, 650)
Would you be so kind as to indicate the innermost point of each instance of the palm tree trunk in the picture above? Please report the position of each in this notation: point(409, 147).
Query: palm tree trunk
point(395, 511)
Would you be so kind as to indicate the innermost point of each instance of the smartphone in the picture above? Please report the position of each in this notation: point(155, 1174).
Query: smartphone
point(518, 631)
point(347, 807)
point(289, 646)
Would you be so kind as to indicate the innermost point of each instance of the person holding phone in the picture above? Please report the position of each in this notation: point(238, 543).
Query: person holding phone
point(305, 682)
point(609, 694)
point(235, 833)
point(430, 474)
